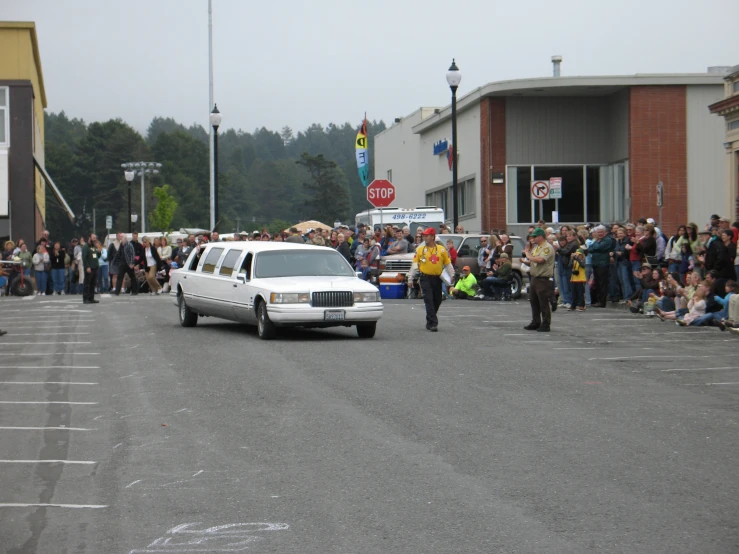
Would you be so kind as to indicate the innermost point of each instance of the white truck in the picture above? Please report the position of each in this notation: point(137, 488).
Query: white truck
point(422, 216)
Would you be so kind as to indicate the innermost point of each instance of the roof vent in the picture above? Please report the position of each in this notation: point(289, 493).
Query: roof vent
point(719, 70)
point(397, 120)
point(556, 62)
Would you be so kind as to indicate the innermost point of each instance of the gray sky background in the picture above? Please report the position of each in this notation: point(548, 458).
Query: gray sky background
point(299, 62)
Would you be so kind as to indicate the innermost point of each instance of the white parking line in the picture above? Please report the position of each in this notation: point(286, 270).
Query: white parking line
point(698, 369)
point(49, 367)
point(50, 326)
point(576, 348)
point(78, 462)
point(74, 506)
point(631, 357)
point(45, 429)
point(47, 320)
point(33, 343)
point(45, 383)
point(47, 402)
point(48, 353)
point(45, 334)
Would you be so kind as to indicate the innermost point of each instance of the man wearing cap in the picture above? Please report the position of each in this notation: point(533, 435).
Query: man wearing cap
point(431, 260)
point(466, 286)
point(499, 277)
point(541, 261)
point(294, 236)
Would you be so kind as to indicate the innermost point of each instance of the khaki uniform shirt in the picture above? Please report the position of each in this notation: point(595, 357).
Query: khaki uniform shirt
point(545, 269)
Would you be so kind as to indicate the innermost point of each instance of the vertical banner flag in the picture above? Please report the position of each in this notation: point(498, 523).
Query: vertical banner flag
point(450, 156)
point(363, 153)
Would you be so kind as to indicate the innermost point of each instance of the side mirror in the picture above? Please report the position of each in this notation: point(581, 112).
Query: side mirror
point(241, 277)
point(359, 274)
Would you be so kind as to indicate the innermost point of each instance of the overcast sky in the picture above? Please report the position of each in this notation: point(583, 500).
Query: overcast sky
point(297, 62)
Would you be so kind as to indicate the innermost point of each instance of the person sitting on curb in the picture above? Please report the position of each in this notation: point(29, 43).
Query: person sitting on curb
point(466, 286)
point(497, 284)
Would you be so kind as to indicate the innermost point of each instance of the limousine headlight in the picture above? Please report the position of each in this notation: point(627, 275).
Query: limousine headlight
point(366, 297)
point(289, 298)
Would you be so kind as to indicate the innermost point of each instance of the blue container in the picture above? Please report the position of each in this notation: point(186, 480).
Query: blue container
point(392, 290)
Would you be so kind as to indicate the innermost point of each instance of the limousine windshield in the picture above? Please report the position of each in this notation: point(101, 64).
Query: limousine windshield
point(302, 263)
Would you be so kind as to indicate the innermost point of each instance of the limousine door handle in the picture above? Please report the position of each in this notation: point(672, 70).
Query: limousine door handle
point(234, 285)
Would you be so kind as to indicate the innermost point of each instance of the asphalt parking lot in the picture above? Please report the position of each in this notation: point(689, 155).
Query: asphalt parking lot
point(120, 431)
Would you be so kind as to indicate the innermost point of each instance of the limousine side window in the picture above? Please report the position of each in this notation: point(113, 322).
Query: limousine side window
point(246, 266)
point(211, 260)
point(227, 267)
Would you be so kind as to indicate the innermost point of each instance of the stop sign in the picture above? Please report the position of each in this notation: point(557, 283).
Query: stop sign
point(381, 193)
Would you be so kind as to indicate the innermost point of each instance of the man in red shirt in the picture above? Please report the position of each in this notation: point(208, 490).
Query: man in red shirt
point(452, 251)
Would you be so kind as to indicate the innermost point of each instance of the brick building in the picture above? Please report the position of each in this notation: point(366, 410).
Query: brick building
point(728, 108)
point(610, 139)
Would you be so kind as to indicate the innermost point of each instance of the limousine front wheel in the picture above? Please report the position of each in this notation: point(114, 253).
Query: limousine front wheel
point(188, 318)
point(366, 330)
point(265, 328)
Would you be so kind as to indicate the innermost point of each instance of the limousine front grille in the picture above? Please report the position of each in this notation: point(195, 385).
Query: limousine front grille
point(332, 299)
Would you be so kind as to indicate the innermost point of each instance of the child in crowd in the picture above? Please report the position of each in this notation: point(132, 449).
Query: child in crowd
point(578, 281)
point(696, 308)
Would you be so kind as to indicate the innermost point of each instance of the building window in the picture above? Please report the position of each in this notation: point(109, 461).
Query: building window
point(390, 175)
point(4, 118)
point(734, 125)
point(465, 199)
point(736, 86)
point(589, 193)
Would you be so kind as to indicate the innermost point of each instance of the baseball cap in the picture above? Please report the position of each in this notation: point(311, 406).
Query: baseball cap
point(715, 216)
point(504, 256)
point(538, 232)
point(645, 265)
point(430, 231)
point(650, 220)
point(309, 231)
point(466, 268)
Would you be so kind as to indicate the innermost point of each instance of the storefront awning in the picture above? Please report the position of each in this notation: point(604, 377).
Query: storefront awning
point(54, 189)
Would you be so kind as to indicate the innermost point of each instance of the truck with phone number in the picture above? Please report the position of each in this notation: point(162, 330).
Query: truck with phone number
point(422, 216)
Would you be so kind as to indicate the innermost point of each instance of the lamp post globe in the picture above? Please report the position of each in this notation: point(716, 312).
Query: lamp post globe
point(129, 174)
point(453, 78)
point(215, 122)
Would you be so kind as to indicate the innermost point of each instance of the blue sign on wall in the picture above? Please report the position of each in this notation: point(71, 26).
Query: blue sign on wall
point(441, 147)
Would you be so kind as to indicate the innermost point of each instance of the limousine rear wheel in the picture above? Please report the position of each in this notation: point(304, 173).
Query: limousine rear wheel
point(188, 318)
point(366, 330)
point(265, 328)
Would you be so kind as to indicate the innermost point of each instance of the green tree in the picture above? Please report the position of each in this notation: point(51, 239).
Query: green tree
point(161, 217)
point(328, 197)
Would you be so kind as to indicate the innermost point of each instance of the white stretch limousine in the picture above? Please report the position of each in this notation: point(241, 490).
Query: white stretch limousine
point(274, 285)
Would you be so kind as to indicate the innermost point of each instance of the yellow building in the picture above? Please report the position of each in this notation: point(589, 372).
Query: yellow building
point(22, 103)
point(729, 109)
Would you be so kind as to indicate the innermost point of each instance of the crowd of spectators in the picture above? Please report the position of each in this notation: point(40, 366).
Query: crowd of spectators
point(689, 276)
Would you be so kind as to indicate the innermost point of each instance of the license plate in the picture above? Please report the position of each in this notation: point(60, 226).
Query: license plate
point(333, 315)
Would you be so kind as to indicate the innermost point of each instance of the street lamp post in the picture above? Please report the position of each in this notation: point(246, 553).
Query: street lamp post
point(142, 169)
point(129, 174)
point(215, 122)
point(454, 77)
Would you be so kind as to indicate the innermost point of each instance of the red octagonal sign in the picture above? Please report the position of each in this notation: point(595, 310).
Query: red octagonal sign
point(381, 193)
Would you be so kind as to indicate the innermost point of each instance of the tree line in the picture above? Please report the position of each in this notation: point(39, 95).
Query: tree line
point(266, 178)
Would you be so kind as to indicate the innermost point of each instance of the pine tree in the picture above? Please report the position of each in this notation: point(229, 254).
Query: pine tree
point(328, 197)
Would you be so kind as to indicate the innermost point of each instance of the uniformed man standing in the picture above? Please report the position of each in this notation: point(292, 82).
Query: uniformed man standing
point(541, 260)
point(90, 263)
point(431, 260)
